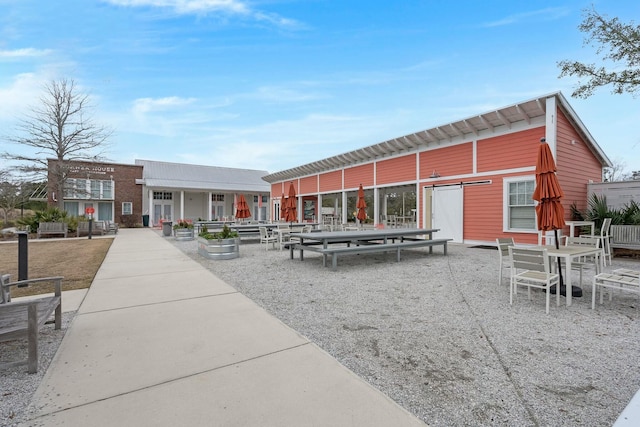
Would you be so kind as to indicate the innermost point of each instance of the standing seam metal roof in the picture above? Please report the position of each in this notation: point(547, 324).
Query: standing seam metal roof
point(198, 177)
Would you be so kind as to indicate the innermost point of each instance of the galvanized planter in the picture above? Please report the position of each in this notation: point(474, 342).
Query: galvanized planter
point(184, 234)
point(219, 248)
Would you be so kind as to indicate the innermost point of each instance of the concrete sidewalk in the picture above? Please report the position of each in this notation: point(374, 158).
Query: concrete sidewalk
point(159, 340)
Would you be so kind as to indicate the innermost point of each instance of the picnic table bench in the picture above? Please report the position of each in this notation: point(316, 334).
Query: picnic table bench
point(382, 247)
point(52, 228)
point(23, 319)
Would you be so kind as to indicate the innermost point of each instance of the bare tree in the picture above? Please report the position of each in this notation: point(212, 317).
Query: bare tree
point(59, 130)
point(616, 172)
point(618, 44)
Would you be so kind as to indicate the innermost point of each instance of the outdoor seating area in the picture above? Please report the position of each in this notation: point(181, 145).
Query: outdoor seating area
point(336, 243)
point(372, 314)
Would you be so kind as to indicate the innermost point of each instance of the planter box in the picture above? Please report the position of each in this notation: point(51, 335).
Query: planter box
point(184, 233)
point(219, 249)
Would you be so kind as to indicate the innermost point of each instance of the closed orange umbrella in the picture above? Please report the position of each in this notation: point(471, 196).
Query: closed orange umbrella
point(292, 208)
point(549, 210)
point(548, 192)
point(361, 205)
point(242, 208)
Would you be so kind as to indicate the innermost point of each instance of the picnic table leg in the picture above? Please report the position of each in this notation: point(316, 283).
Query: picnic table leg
point(398, 255)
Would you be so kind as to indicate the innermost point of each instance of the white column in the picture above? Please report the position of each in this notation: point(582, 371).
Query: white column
point(181, 205)
point(344, 207)
point(376, 207)
point(151, 214)
point(209, 207)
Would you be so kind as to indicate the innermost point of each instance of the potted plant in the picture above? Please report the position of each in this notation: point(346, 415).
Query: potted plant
point(183, 230)
point(224, 244)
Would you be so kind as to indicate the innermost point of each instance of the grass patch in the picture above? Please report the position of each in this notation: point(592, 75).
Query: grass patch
point(77, 260)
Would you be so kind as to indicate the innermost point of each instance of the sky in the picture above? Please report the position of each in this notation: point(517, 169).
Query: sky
point(275, 84)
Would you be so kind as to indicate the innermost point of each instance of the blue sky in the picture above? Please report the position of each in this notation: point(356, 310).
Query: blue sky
point(274, 84)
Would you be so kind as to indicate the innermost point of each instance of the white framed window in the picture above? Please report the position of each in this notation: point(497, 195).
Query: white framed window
point(127, 208)
point(162, 195)
point(519, 209)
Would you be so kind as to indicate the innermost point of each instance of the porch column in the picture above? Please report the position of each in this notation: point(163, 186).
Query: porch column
point(376, 206)
point(344, 207)
point(209, 206)
point(151, 207)
point(181, 205)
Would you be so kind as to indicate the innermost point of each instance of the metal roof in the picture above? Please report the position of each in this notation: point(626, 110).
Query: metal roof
point(482, 125)
point(197, 177)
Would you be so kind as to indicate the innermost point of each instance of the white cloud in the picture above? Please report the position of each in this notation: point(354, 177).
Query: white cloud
point(22, 92)
point(24, 53)
point(203, 7)
point(548, 14)
point(149, 105)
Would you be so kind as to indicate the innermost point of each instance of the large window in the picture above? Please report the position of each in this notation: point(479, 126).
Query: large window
point(127, 208)
point(88, 189)
point(520, 212)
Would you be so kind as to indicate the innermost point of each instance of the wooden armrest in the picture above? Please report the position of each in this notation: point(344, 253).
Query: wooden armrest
point(27, 282)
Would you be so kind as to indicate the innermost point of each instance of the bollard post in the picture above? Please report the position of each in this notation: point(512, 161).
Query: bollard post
point(23, 255)
point(90, 225)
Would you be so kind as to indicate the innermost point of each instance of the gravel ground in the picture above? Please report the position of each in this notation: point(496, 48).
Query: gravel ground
point(435, 333)
point(16, 385)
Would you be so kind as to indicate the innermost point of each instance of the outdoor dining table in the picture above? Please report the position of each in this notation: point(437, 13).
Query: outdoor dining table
point(310, 240)
point(569, 254)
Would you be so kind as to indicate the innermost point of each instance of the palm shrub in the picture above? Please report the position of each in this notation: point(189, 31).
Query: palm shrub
point(50, 214)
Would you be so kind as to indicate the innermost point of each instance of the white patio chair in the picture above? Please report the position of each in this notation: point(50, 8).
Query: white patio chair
point(530, 268)
point(588, 261)
point(267, 238)
point(605, 241)
point(503, 254)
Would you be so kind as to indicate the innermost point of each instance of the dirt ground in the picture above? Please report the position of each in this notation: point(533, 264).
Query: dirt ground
point(77, 260)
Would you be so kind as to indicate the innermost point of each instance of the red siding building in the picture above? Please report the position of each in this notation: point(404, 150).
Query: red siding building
point(472, 179)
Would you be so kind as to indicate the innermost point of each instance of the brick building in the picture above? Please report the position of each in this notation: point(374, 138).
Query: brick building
point(109, 188)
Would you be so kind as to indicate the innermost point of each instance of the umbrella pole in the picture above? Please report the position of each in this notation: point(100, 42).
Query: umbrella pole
point(555, 235)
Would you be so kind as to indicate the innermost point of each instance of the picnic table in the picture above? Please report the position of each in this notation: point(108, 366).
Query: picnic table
point(377, 240)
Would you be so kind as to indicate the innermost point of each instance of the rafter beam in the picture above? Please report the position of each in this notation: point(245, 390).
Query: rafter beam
point(471, 127)
point(486, 122)
point(523, 114)
point(503, 119)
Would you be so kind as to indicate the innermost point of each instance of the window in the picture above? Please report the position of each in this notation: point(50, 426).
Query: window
point(520, 212)
point(162, 195)
point(127, 208)
point(85, 189)
point(217, 197)
point(95, 189)
point(107, 187)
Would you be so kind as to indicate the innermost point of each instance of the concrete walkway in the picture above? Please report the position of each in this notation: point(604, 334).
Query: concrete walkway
point(160, 341)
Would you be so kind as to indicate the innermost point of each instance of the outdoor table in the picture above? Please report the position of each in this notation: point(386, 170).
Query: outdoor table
point(325, 238)
point(570, 253)
point(573, 224)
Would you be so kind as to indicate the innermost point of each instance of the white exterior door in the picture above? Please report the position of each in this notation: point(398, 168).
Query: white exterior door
point(446, 212)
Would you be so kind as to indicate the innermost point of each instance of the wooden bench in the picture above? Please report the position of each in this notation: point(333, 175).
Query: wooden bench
point(625, 236)
point(382, 247)
point(97, 228)
point(52, 228)
point(23, 319)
